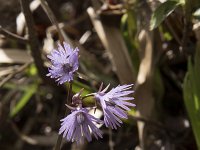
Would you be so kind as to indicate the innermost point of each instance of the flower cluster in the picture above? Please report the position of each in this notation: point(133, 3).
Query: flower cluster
point(79, 124)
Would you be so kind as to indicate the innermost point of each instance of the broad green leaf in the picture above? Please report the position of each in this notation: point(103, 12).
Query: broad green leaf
point(28, 93)
point(132, 24)
point(77, 86)
point(164, 10)
point(191, 92)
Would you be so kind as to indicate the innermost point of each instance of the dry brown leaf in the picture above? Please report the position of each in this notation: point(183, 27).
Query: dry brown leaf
point(14, 56)
point(113, 42)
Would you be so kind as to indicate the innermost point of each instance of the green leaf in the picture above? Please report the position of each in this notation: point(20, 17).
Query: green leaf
point(164, 10)
point(132, 24)
point(191, 93)
point(24, 100)
point(77, 86)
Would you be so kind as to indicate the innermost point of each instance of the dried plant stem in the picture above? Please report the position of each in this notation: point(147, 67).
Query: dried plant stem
point(118, 50)
point(23, 134)
point(88, 95)
point(69, 94)
point(149, 122)
point(58, 142)
point(187, 25)
point(50, 14)
point(10, 76)
point(11, 35)
point(176, 37)
point(34, 43)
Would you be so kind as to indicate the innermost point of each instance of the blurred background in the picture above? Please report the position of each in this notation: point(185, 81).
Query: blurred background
point(154, 44)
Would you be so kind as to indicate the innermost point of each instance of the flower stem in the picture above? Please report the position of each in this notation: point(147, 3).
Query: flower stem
point(69, 93)
point(88, 95)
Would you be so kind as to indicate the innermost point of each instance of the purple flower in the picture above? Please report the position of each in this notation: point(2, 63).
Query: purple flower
point(64, 63)
point(114, 104)
point(78, 125)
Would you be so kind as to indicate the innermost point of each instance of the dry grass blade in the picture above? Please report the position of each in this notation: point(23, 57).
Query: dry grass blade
point(10, 76)
point(50, 14)
point(113, 42)
point(14, 56)
point(12, 35)
point(144, 85)
point(143, 93)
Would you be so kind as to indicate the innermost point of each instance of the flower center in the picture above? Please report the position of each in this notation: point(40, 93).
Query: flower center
point(80, 118)
point(67, 67)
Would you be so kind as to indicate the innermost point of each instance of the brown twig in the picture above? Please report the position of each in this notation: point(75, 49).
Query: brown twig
point(50, 14)
point(149, 122)
point(10, 76)
point(34, 43)
point(120, 58)
point(23, 134)
point(13, 36)
point(42, 140)
point(172, 77)
point(175, 35)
